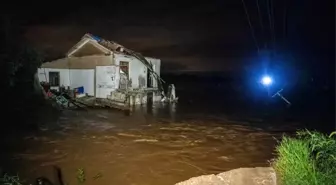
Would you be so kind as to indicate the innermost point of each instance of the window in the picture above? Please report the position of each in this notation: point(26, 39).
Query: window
point(54, 79)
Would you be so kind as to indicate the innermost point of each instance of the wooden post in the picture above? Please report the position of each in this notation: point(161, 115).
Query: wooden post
point(141, 99)
point(127, 103)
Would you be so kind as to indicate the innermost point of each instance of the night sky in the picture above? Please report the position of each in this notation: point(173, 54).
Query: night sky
point(185, 35)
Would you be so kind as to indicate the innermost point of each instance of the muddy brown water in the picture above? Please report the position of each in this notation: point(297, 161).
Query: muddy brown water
point(153, 146)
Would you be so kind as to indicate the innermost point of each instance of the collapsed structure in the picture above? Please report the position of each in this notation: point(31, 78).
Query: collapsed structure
point(106, 70)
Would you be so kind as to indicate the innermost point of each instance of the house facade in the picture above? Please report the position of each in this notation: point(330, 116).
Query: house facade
point(100, 68)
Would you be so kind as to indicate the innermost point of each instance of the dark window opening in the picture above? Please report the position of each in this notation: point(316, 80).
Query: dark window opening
point(54, 79)
point(124, 67)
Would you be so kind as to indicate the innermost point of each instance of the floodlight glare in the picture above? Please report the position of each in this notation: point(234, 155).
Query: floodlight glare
point(266, 80)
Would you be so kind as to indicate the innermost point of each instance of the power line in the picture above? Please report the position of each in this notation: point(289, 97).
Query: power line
point(260, 19)
point(284, 21)
point(251, 27)
point(270, 20)
point(273, 21)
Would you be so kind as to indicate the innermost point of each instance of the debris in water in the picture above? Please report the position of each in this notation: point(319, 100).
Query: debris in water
point(198, 168)
point(52, 163)
point(102, 116)
point(177, 129)
point(43, 128)
point(225, 158)
point(97, 176)
point(81, 176)
point(146, 140)
point(128, 135)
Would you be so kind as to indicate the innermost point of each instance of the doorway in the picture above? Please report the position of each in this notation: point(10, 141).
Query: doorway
point(124, 75)
point(124, 67)
point(149, 79)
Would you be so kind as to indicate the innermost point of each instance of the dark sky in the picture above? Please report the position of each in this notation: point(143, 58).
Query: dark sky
point(185, 35)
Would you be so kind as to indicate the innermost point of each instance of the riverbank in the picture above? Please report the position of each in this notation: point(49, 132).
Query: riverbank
point(240, 176)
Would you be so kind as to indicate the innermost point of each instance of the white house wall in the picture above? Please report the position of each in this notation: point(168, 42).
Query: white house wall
point(43, 75)
point(156, 67)
point(83, 77)
point(72, 78)
point(90, 62)
point(107, 80)
point(156, 64)
point(136, 69)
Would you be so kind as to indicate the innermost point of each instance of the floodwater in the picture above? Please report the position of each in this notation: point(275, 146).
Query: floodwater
point(156, 145)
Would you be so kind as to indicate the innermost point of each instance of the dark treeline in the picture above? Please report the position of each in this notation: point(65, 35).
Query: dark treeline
point(19, 61)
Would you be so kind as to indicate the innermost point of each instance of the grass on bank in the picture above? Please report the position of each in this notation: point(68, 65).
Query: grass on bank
point(15, 180)
point(307, 159)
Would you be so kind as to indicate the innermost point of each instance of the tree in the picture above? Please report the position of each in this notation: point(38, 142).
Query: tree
point(18, 60)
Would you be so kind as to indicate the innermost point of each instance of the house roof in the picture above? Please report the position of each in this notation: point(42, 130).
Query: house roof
point(111, 46)
point(98, 42)
point(84, 41)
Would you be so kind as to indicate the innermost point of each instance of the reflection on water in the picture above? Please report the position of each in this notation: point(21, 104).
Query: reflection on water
point(156, 145)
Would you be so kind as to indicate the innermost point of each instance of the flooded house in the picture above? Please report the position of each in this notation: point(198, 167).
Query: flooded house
point(105, 70)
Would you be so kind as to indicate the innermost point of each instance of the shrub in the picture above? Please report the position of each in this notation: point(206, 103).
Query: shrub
point(308, 159)
point(10, 180)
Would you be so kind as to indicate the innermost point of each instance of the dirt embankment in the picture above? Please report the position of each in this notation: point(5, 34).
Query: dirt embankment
point(240, 176)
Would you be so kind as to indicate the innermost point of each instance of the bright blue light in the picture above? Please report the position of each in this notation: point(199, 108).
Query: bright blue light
point(266, 80)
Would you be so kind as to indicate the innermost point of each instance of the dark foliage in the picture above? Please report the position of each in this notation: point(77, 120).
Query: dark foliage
point(18, 64)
